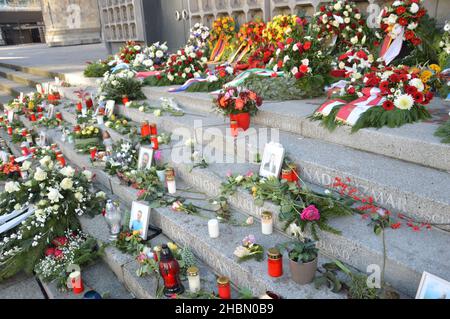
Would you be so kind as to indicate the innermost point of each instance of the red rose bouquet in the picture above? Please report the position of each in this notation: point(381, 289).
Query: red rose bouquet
point(128, 52)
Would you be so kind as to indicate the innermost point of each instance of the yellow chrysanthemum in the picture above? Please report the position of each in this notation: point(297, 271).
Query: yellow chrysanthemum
point(436, 68)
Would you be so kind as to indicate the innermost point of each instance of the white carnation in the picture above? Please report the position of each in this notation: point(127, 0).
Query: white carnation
point(12, 187)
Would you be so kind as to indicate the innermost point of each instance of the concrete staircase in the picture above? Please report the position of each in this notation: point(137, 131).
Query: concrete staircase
point(404, 169)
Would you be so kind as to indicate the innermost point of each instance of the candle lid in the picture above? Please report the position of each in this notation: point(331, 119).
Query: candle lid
point(266, 215)
point(192, 271)
point(170, 178)
point(292, 166)
point(152, 124)
point(223, 280)
point(274, 253)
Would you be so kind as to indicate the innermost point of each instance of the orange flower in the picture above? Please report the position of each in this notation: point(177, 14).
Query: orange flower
point(223, 102)
point(239, 104)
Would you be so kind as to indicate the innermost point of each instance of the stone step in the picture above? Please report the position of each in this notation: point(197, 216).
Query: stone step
point(21, 286)
point(414, 143)
point(22, 78)
point(5, 97)
point(192, 231)
point(12, 88)
point(41, 72)
point(392, 183)
point(357, 246)
point(98, 277)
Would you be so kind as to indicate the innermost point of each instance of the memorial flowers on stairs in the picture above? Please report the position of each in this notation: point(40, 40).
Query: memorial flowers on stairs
point(151, 58)
point(249, 249)
point(391, 97)
point(239, 104)
point(40, 209)
point(114, 86)
point(73, 248)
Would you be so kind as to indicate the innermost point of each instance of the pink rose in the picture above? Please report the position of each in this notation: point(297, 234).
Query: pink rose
point(310, 213)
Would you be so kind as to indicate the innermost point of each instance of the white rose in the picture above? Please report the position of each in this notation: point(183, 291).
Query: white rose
point(66, 183)
point(417, 83)
point(241, 252)
point(157, 113)
point(239, 178)
point(40, 175)
point(78, 196)
point(159, 54)
point(67, 171)
point(412, 26)
point(88, 175)
point(137, 48)
point(39, 213)
point(414, 8)
point(26, 165)
point(53, 195)
point(347, 20)
point(358, 16)
point(100, 195)
point(337, 6)
point(45, 161)
point(12, 187)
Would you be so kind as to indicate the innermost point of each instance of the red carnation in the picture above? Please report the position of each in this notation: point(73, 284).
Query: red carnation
point(416, 41)
point(411, 90)
point(388, 105)
point(59, 253)
point(303, 68)
point(307, 45)
point(384, 86)
point(362, 55)
point(289, 41)
point(299, 75)
point(323, 9)
point(403, 22)
point(49, 251)
point(409, 35)
point(60, 241)
point(351, 90)
point(394, 78)
point(418, 97)
point(400, 10)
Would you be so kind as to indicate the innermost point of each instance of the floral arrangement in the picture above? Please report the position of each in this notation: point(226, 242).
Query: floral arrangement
point(74, 247)
point(87, 132)
point(237, 100)
point(353, 64)
point(341, 21)
point(249, 250)
point(124, 158)
point(59, 197)
point(48, 122)
point(223, 26)
point(301, 208)
point(115, 86)
point(152, 58)
point(96, 69)
point(187, 63)
point(280, 28)
point(199, 36)
point(9, 171)
point(119, 124)
point(129, 51)
point(403, 14)
point(251, 34)
point(394, 95)
point(444, 46)
point(222, 75)
point(130, 243)
point(259, 58)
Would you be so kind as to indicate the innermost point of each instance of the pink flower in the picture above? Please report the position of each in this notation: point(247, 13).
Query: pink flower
point(310, 213)
point(141, 193)
point(158, 155)
point(229, 174)
point(249, 174)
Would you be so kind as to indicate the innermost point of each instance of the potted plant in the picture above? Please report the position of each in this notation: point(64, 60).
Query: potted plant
point(303, 259)
point(239, 104)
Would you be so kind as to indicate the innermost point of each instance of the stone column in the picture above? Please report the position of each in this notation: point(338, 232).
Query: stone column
point(71, 22)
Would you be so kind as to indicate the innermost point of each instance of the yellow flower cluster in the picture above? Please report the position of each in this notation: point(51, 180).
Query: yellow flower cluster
point(225, 25)
point(88, 131)
point(279, 28)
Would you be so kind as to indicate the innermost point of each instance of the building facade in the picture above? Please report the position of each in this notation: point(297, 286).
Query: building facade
point(21, 22)
point(170, 20)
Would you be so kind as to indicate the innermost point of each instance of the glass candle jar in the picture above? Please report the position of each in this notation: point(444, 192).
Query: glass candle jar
point(194, 279)
point(33, 117)
point(153, 129)
point(29, 138)
point(155, 143)
point(294, 172)
point(171, 184)
point(267, 223)
point(213, 228)
point(224, 287)
point(145, 129)
point(286, 175)
point(61, 160)
point(274, 263)
point(10, 130)
point(93, 151)
point(234, 128)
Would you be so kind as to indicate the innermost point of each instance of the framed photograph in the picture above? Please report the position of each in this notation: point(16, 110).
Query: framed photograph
point(433, 287)
point(145, 158)
point(140, 219)
point(50, 111)
point(42, 139)
point(272, 160)
point(109, 108)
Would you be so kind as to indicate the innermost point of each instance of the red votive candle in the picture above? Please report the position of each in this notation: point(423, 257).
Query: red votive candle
point(145, 129)
point(33, 117)
point(234, 128)
point(58, 116)
point(224, 287)
point(153, 129)
point(155, 142)
point(93, 151)
point(40, 115)
point(274, 263)
point(10, 130)
point(125, 100)
point(24, 132)
point(79, 106)
point(61, 160)
point(89, 103)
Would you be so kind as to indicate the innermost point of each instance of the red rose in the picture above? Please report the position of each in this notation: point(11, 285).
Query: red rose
point(289, 41)
point(411, 90)
point(362, 55)
point(416, 41)
point(60, 241)
point(280, 64)
point(307, 45)
point(388, 105)
point(394, 78)
point(403, 22)
point(299, 75)
point(323, 9)
point(303, 68)
point(58, 253)
point(400, 10)
point(351, 90)
point(421, 13)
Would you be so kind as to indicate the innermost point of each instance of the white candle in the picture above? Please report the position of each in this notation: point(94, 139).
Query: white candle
point(171, 184)
point(100, 120)
point(193, 279)
point(213, 228)
point(267, 223)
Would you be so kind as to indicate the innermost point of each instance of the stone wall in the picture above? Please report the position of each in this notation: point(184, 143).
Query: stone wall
point(71, 22)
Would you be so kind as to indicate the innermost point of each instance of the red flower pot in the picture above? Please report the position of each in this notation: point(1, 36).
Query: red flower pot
point(242, 119)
